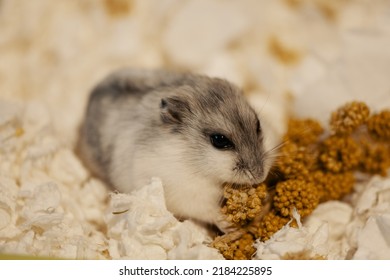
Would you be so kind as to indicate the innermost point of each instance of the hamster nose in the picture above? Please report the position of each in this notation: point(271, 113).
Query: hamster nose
point(258, 171)
point(253, 171)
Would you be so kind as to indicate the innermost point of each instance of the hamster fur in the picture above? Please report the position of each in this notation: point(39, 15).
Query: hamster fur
point(193, 132)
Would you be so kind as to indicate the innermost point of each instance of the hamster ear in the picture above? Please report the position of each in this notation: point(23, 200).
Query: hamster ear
point(174, 109)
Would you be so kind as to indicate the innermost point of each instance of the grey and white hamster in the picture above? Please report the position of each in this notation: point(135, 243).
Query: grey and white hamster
point(193, 132)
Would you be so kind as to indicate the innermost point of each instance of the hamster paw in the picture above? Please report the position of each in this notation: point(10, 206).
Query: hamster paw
point(224, 225)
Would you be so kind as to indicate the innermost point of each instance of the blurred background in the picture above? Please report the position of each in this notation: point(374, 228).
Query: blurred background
point(299, 56)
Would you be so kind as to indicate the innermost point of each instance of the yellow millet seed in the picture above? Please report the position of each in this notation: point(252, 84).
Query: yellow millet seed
point(245, 249)
point(376, 159)
point(302, 255)
point(332, 186)
point(295, 161)
point(227, 249)
point(243, 203)
point(19, 131)
point(339, 154)
point(271, 223)
point(299, 194)
point(237, 249)
point(379, 125)
point(303, 132)
point(349, 117)
point(311, 168)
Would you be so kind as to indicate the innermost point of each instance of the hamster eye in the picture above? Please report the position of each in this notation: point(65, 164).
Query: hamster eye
point(221, 142)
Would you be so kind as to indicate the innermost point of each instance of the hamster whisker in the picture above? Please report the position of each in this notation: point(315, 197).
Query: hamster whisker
point(277, 147)
point(273, 156)
point(249, 173)
point(273, 153)
point(265, 103)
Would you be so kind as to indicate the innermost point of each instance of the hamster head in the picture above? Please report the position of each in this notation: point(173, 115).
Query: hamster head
point(221, 133)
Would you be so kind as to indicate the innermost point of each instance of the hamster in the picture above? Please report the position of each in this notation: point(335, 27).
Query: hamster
point(193, 132)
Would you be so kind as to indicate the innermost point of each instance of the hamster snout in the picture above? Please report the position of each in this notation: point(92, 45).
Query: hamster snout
point(193, 132)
